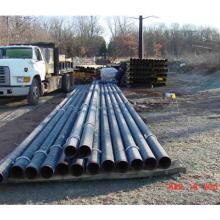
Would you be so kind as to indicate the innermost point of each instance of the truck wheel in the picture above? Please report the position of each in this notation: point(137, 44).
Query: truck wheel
point(34, 93)
point(66, 83)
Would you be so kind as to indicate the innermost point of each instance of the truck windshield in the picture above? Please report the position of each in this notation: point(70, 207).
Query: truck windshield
point(16, 53)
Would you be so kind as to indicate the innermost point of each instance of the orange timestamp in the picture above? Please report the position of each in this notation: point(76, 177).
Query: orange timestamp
point(193, 186)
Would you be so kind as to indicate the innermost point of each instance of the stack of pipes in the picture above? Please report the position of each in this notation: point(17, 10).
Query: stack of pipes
point(147, 72)
point(95, 130)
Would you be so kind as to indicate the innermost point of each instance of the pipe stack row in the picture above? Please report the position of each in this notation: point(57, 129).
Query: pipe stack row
point(95, 130)
point(147, 72)
point(86, 74)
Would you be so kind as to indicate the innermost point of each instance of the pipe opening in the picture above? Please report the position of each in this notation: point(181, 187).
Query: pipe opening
point(137, 164)
point(70, 151)
point(76, 170)
point(31, 172)
point(46, 172)
point(122, 166)
point(17, 172)
point(164, 162)
point(150, 163)
point(108, 165)
point(84, 151)
point(93, 168)
point(1, 177)
point(62, 169)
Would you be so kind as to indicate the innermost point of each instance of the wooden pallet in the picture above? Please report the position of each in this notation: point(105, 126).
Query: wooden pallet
point(175, 168)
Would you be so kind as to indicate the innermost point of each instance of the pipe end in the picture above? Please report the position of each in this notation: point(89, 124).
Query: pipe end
point(93, 168)
point(31, 172)
point(70, 151)
point(164, 162)
point(46, 171)
point(1, 177)
point(16, 172)
point(62, 169)
point(76, 170)
point(122, 166)
point(108, 165)
point(84, 151)
point(137, 164)
point(150, 163)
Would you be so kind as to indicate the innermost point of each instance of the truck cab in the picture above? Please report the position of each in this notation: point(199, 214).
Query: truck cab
point(29, 70)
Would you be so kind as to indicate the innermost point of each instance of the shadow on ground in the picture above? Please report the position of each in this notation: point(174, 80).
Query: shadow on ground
point(32, 193)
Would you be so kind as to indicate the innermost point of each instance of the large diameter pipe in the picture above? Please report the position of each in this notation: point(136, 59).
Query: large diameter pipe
point(107, 156)
point(162, 157)
point(62, 167)
point(93, 162)
point(121, 163)
point(21, 156)
point(72, 142)
point(48, 167)
point(85, 146)
point(132, 150)
point(33, 168)
point(77, 167)
point(146, 153)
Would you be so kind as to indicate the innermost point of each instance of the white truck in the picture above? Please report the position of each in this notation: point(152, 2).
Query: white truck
point(31, 70)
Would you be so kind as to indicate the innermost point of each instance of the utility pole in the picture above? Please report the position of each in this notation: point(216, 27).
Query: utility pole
point(140, 38)
point(7, 24)
point(140, 41)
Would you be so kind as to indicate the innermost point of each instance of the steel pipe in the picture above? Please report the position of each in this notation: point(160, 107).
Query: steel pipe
point(32, 143)
point(33, 168)
point(72, 142)
point(162, 157)
point(121, 163)
point(48, 167)
point(77, 167)
point(85, 146)
point(10, 159)
point(93, 162)
point(131, 149)
point(107, 156)
point(145, 151)
point(62, 167)
point(96, 122)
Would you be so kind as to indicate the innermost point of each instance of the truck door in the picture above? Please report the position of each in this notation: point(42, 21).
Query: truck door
point(39, 64)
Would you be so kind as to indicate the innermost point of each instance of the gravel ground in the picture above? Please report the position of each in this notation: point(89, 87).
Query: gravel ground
point(189, 133)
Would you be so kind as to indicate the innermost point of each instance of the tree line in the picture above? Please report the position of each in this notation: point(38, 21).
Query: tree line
point(82, 36)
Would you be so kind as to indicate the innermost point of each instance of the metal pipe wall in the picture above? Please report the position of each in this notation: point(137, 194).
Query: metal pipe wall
point(107, 156)
point(93, 162)
point(23, 160)
point(95, 129)
point(145, 151)
point(162, 157)
point(32, 170)
point(23, 148)
point(48, 167)
point(85, 146)
point(121, 162)
point(71, 146)
point(131, 149)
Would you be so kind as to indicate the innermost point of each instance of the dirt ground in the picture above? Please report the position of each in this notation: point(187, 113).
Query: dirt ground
point(17, 119)
point(188, 129)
